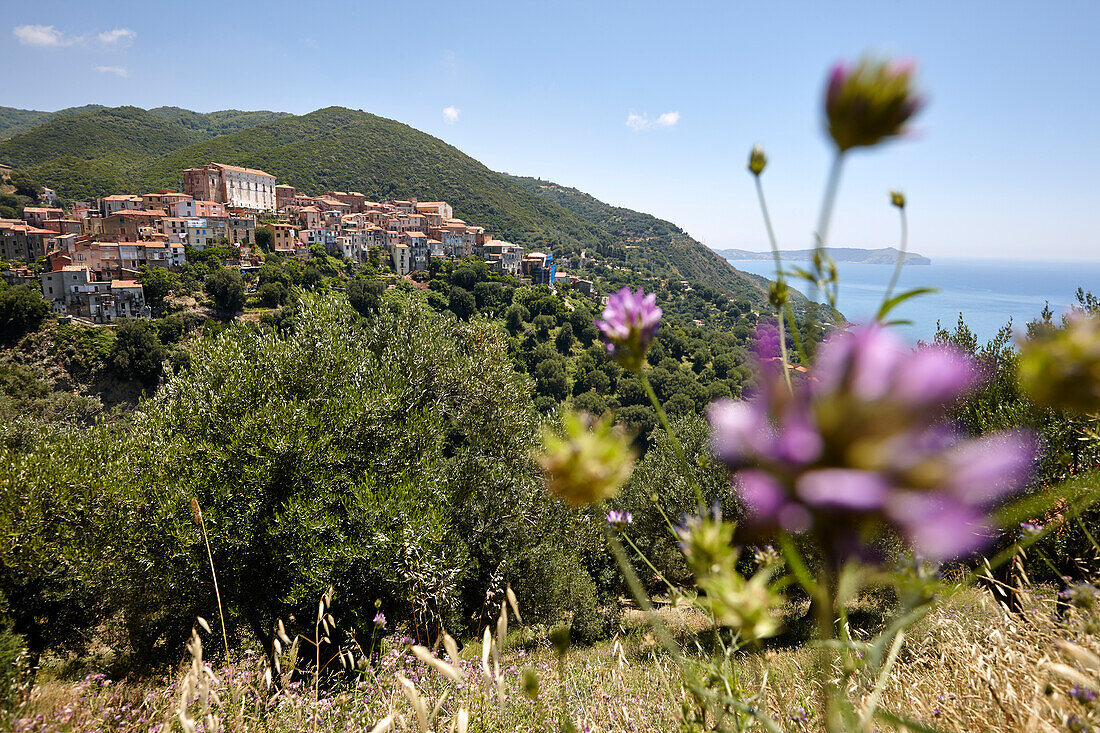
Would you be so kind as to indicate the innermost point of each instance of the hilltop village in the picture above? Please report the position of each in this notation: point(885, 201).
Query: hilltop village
point(94, 251)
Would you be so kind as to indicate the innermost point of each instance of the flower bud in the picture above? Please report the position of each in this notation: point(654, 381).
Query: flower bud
point(1060, 367)
point(629, 323)
point(897, 198)
point(590, 463)
point(559, 640)
point(777, 294)
point(757, 160)
point(530, 684)
point(870, 103)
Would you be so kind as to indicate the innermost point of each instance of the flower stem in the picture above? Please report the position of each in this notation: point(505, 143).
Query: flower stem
point(901, 255)
point(832, 185)
point(217, 593)
point(828, 203)
point(778, 280)
point(676, 447)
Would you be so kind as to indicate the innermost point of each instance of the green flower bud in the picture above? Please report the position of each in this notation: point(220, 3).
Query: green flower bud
point(590, 463)
point(530, 684)
point(559, 640)
point(777, 293)
point(746, 606)
point(897, 198)
point(757, 160)
point(1060, 367)
point(869, 103)
point(707, 544)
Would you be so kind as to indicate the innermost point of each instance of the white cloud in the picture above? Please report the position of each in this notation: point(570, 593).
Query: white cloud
point(40, 35)
point(450, 114)
point(116, 70)
point(116, 35)
point(642, 122)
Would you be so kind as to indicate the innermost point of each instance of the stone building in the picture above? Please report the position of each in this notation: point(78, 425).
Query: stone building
point(243, 188)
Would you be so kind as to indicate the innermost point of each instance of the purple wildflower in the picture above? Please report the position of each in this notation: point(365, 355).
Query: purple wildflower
point(1082, 694)
point(630, 321)
point(861, 447)
point(1029, 529)
point(380, 620)
point(619, 519)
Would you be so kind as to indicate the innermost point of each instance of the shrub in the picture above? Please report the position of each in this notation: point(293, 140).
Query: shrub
point(226, 288)
point(462, 303)
point(365, 295)
point(514, 318)
point(272, 294)
point(13, 671)
point(157, 284)
point(400, 472)
point(22, 310)
point(137, 353)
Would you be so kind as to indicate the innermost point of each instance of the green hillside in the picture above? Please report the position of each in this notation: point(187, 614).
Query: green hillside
point(14, 121)
point(650, 246)
point(212, 124)
point(122, 136)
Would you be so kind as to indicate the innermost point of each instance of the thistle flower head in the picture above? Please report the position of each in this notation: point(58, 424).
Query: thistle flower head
point(619, 519)
point(860, 449)
point(629, 323)
point(589, 463)
point(757, 160)
point(869, 103)
point(707, 543)
point(748, 606)
point(745, 605)
point(1060, 367)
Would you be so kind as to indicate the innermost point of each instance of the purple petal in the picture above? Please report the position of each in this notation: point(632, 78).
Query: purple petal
point(938, 527)
point(987, 468)
point(765, 342)
point(761, 494)
point(842, 488)
point(795, 518)
point(862, 361)
point(736, 429)
point(798, 441)
point(836, 81)
point(933, 376)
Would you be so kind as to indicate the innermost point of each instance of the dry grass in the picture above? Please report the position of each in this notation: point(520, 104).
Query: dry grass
point(969, 666)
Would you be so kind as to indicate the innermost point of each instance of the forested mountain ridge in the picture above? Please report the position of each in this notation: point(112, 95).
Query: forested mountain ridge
point(14, 121)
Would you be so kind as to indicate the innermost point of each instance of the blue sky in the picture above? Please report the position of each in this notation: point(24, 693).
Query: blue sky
point(653, 106)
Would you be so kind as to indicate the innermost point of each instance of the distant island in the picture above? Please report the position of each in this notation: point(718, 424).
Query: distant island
point(884, 256)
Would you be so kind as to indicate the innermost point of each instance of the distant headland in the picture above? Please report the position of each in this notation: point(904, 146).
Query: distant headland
point(884, 256)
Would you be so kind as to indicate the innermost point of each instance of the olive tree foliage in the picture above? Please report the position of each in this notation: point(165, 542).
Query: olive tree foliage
point(389, 457)
point(659, 474)
point(57, 547)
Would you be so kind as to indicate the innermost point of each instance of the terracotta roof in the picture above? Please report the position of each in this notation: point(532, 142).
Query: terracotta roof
point(239, 169)
point(125, 284)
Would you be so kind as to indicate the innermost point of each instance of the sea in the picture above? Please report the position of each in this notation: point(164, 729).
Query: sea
point(987, 293)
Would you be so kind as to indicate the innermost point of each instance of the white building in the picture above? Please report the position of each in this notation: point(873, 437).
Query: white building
point(245, 188)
